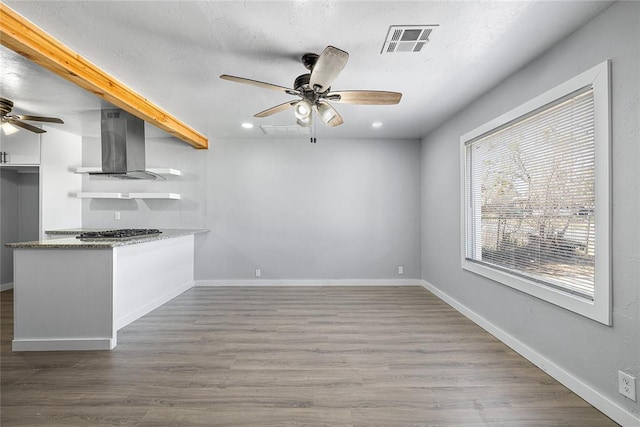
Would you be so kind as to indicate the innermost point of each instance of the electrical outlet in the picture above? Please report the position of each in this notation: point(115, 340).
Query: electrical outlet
point(116, 216)
point(401, 269)
point(258, 272)
point(627, 385)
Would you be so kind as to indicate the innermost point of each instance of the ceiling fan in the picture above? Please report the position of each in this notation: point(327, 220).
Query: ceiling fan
point(314, 89)
point(11, 121)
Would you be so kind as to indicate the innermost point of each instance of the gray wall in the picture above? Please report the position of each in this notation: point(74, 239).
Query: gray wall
point(29, 205)
point(9, 230)
point(19, 214)
point(338, 209)
point(589, 350)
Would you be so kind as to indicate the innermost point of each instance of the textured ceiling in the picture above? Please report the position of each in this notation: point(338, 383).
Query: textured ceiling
point(172, 53)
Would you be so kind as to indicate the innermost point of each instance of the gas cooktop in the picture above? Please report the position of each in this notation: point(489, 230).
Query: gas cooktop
point(125, 233)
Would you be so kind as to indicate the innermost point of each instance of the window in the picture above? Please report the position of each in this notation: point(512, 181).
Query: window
point(536, 206)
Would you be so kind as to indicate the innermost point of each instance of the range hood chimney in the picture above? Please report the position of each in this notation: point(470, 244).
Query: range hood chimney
point(123, 148)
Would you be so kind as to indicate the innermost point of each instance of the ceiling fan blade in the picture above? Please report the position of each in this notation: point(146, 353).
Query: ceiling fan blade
point(26, 126)
point(365, 97)
point(40, 119)
point(259, 84)
point(329, 64)
point(276, 109)
point(329, 115)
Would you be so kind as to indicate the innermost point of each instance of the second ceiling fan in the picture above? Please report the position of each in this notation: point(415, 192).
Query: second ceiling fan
point(314, 89)
point(11, 122)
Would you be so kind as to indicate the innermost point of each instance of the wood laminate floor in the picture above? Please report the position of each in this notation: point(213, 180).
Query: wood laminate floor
point(289, 356)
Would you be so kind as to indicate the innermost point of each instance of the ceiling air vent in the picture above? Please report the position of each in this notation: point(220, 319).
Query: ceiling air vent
point(407, 38)
point(284, 130)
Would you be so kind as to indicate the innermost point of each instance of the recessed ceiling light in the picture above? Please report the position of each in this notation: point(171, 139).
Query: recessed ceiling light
point(376, 124)
point(247, 125)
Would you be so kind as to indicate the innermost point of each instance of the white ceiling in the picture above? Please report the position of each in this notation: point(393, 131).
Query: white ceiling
point(173, 52)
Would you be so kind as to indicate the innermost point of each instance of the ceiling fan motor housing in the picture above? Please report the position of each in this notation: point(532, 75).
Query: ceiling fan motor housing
point(302, 82)
point(6, 106)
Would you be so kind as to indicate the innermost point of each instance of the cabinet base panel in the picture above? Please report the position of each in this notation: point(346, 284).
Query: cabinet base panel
point(64, 344)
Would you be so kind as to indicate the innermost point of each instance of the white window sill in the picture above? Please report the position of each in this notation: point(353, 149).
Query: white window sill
point(598, 309)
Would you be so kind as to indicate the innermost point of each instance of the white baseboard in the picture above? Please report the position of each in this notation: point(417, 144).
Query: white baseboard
point(151, 305)
point(321, 282)
point(6, 286)
point(63, 344)
point(588, 393)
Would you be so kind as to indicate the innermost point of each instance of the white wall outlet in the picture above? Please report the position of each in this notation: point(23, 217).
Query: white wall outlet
point(258, 272)
point(116, 216)
point(401, 269)
point(627, 385)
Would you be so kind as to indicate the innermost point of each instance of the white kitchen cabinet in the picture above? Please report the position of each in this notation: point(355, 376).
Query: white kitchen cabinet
point(20, 148)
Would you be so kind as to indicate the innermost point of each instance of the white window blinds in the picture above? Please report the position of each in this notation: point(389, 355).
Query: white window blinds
point(530, 191)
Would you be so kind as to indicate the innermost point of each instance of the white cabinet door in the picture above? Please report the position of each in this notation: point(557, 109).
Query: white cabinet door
point(20, 148)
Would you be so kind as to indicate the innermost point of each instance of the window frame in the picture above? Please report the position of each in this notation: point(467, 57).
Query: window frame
point(598, 309)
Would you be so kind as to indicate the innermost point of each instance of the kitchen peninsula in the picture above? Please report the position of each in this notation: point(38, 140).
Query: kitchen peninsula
point(75, 294)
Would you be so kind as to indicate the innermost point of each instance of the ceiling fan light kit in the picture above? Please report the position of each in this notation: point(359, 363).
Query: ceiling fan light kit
point(303, 109)
point(8, 128)
point(326, 112)
point(314, 89)
point(305, 122)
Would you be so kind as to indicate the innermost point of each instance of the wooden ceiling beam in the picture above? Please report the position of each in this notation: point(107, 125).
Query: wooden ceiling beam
point(30, 41)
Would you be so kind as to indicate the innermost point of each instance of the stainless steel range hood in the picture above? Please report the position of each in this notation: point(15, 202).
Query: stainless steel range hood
point(123, 146)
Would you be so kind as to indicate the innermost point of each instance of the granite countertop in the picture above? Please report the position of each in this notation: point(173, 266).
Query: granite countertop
point(73, 243)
